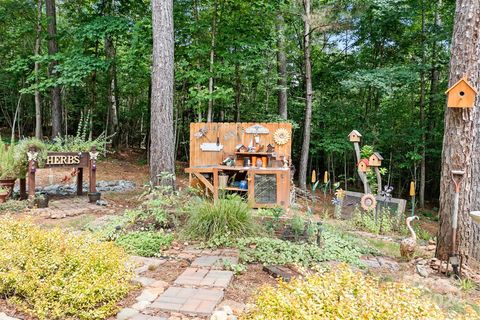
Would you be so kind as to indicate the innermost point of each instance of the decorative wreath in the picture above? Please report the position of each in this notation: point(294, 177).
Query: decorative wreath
point(368, 202)
point(281, 136)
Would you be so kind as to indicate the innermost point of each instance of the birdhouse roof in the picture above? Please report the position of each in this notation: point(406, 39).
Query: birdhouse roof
point(354, 132)
point(464, 79)
point(364, 161)
point(378, 155)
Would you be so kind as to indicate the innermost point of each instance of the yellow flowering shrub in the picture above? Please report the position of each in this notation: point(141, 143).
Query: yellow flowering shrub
point(56, 275)
point(343, 294)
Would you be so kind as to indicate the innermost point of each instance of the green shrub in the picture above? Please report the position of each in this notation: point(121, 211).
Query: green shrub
point(344, 294)
point(13, 206)
point(145, 243)
point(230, 216)
point(55, 275)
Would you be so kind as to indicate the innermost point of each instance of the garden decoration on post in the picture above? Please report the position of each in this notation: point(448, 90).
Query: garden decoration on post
point(412, 194)
point(355, 138)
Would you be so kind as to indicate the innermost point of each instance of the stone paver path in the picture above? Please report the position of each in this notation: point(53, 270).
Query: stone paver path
point(196, 292)
point(189, 300)
point(204, 277)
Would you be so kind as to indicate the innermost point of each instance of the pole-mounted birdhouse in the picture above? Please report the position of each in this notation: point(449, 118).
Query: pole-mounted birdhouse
point(375, 160)
point(461, 95)
point(363, 165)
point(354, 136)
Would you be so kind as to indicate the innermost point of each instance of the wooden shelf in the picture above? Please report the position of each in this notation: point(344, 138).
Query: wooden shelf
point(235, 189)
point(254, 153)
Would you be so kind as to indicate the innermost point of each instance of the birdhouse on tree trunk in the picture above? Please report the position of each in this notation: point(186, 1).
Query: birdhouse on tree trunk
point(354, 136)
point(461, 95)
point(375, 160)
point(363, 165)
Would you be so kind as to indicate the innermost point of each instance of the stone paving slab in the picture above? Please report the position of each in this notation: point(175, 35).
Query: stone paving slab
point(189, 300)
point(213, 261)
point(205, 277)
point(142, 316)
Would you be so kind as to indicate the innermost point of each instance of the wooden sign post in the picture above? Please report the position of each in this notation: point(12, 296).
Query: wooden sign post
point(80, 160)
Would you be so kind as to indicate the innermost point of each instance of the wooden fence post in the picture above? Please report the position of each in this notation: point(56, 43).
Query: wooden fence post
point(92, 169)
point(32, 155)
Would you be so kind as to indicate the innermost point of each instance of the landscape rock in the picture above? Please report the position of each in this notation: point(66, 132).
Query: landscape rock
point(102, 203)
point(4, 316)
point(422, 270)
point(127, 313)
point(219, 315)
point(71, 189)
point(431, 247)
point(147, 295)
point(144, 281)
point(141, 305)
point(236, 307)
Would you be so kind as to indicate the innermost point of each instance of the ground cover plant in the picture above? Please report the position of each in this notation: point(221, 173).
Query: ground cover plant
point(341, 293)
point(335, 246)
point(51, 274)
point(145, 243)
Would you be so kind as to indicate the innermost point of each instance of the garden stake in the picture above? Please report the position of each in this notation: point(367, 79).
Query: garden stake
point(412, 194)
point(457, 177)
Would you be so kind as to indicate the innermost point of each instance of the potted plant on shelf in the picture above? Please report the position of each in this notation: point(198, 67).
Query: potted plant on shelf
point(3, 194)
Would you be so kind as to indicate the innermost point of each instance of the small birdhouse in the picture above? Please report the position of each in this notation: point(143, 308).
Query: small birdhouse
point(461, 95)
point(241, 148)
point(363, 165)
point(354, 136)
point(375, 160)
point(270, 148)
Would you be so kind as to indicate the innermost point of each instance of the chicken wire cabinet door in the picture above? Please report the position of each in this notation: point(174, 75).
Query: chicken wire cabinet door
point(265, 189)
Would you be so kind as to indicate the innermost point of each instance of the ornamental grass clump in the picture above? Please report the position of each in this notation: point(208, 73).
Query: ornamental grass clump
point(344, 294)
point(228, 219)
point(52, 275)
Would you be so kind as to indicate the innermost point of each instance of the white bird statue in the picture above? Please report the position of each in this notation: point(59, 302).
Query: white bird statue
point(408, 245)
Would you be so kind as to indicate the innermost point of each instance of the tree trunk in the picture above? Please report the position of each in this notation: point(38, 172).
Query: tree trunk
point(212, 61)
point(112, 97)
point(459, 136)
point(162, 142)
point(38, 97)
point(52, 50)
point(302, 173)
point(281, 67)
point(421, 191)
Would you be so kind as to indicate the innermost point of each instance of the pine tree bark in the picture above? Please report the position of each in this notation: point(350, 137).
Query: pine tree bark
point(112, 91)
point(212, 61)
point(459, 138)
point(162, 141)
point(421, 191)
point(302, 172)
point(38, 97)
point(55, 93)
point(281, 67)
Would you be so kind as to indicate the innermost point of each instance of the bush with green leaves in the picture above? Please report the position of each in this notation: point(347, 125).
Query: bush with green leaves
point(145, 243)
point(51, 274)
point(8, 167)
point(230, 217)
point(342, 293)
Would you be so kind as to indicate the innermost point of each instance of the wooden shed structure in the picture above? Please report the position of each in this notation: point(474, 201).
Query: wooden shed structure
point(252, 159)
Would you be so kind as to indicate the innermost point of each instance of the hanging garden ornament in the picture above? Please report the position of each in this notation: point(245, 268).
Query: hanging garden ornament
point(368, 202)
point(281, 136)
